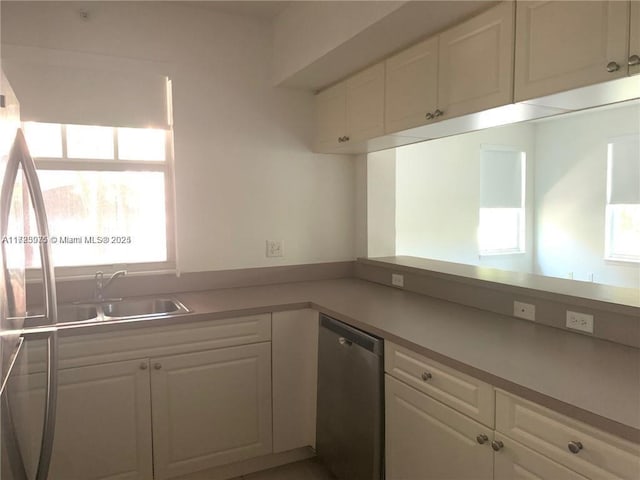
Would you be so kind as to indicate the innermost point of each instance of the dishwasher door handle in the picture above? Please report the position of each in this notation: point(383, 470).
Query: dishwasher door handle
point(345, 342)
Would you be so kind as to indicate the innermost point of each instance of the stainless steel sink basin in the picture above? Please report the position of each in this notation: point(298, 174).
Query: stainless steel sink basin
point(66, 314)
point(76, 313)
point(111, 310)
point(142, 307)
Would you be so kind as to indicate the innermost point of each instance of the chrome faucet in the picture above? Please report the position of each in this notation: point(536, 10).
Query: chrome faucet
point(101, 285)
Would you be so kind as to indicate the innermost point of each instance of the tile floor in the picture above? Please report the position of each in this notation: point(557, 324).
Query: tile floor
point(305, 470)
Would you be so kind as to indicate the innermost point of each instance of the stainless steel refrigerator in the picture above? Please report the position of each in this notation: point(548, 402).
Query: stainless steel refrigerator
point(26, 440)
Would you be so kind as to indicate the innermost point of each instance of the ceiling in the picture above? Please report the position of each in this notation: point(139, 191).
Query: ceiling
point(265, 9)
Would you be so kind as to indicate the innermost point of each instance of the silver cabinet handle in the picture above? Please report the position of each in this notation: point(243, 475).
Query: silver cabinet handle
point(157, 366)
point(426, 376)
point(346, 138)
point(429, 116)
point(144, 366)
point(438, 113)
point(574, 447)
point(634, 60)
point(497, 445)
point(482, 439)
point(613, 67)
point(340, 139)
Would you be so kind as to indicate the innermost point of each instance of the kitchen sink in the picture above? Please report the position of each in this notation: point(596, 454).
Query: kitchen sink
point(76, 313)
point(66, 314)
point(111, 310)
point(142, 307)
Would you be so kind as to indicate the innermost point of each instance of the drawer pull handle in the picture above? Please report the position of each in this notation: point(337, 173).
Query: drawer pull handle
point(482, 439)
point(438, 113)
point(426, 376)
point(144, 366)
point(497, 445)
point(429, 116)
point(613, 67)
point(634, 60)
point(575, 447)
point(157, 366)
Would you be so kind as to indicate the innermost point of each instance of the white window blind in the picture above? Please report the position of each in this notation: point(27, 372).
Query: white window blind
point(501, 227)
point(622, 213)
point(75, 88)
point(623, 164)
point(501, 178)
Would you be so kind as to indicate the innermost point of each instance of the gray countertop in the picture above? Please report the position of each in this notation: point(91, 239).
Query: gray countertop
point(592, 380)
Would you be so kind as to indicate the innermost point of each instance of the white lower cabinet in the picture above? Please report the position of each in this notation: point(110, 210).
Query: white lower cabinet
point(210, 408)
point(205, 409)
point(164, 409)
point(294, 359)
point(514, 461)
point(103, 422)
point(580, 447)
point(427, 440)
point(431, 435)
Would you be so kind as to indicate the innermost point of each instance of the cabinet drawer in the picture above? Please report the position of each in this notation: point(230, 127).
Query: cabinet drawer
point(517, 462)
point(458, 390)
point(550, 433)
point(149, 340)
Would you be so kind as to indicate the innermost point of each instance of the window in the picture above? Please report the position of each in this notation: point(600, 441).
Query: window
point(622, 213)
point(501, 228)
point(107, 192)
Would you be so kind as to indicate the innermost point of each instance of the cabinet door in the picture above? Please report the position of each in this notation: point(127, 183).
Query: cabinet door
point(331, 116)
point(365, 104)
point(562, 45)
point(294, 347)
point(210, 408)
point(103, 422)
point(634, 38)
point(411, 87)
point(517, 462)
point(427, 440)
point(476, 63)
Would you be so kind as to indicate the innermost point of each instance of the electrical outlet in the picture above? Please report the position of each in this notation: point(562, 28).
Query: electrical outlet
point(397, 280)
point(275, 248)
point(524, 310)
point(580, 321)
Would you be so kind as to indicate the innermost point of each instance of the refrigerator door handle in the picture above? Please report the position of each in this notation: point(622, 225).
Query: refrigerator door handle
point(20, 152)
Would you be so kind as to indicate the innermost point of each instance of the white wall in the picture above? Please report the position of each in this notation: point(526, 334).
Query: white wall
point(381, 203)
point(438, 197)
point(571, 178)
point(244, 171)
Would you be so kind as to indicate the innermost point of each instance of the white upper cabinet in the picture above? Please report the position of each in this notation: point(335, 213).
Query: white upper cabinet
point(351, 111)
point(634, 39)
point(411, 86)
point(563, 45)
point(476, 63)
point(365, 104)
point(465, 69)
point(331, 116)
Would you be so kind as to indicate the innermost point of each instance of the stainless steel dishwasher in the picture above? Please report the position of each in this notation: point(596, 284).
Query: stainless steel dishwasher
point(350, 426)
